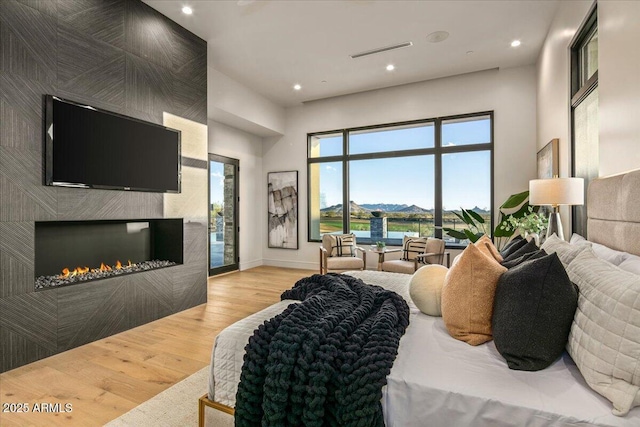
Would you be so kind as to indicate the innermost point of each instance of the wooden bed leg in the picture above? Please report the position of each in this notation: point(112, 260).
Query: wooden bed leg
point(204, 401)
point(201, 411)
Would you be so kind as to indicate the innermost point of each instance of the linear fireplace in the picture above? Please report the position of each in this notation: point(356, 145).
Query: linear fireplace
point(72, 252)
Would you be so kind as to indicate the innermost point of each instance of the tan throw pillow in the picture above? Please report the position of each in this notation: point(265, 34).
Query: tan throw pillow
point(412, 247)
point(487, 247)
point(339, 244)
point(425, 288)
point(467, 296)
point(605, 335)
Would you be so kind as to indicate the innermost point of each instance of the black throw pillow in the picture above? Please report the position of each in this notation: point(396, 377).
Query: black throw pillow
point(532, 314)
point(526, 257)
point(515, 244)
point(529, 246)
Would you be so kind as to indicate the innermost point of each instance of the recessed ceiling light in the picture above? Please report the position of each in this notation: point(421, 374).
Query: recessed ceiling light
point(297, 86)
point(515, 43)
point(187, 10)
point(391, 67)
point(437, 36)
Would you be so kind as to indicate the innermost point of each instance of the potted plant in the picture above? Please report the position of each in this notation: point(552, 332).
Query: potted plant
point(380, 245)
point(516, 206)
point(530, 225)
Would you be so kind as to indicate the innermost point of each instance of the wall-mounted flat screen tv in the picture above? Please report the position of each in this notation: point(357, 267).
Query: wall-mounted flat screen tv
point(90, 148)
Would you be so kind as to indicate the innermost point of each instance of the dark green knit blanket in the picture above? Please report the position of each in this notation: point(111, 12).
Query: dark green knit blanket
point(322, 362)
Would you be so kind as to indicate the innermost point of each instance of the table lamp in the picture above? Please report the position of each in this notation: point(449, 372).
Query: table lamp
point(555, 192)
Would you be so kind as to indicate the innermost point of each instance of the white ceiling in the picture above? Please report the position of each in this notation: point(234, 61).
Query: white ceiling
point(269, 45)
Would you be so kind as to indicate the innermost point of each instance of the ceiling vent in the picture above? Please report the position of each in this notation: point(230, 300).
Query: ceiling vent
point(381, 49)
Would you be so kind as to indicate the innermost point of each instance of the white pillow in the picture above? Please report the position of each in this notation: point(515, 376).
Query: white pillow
point(576, 238)
point(566, 252)
point(605, 335)
point(631, 263)
point(425, 288)
point(608, 254)
point(601, 251)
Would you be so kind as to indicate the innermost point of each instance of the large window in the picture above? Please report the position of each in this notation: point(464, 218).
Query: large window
point(584, 112)
point(405, 179)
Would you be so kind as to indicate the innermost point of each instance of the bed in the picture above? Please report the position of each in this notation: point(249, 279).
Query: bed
point(449, 382)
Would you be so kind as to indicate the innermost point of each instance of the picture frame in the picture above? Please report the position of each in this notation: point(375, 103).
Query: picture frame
point(282, 194)
point(547, 160)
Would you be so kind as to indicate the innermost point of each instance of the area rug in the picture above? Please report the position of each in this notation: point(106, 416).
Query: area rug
point(176, 406)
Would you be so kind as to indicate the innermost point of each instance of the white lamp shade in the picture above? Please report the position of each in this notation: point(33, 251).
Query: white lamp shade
point(556, 191)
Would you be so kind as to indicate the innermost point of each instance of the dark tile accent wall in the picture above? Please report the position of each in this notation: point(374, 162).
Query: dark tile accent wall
point(119, 55)
point(194, 163)
point(17, 255)
point(88, 312)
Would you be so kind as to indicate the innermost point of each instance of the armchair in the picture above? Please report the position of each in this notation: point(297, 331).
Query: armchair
point(416, 252)
point(338, 254)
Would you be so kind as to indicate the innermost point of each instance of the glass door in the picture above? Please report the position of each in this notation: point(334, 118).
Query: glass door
point(223, 214)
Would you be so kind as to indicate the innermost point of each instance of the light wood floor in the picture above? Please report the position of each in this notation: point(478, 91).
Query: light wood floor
point(107, 378)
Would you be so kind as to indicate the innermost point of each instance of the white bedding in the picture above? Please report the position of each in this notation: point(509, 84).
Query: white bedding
point(228, 352)
point(440, 381)
point(451, 383)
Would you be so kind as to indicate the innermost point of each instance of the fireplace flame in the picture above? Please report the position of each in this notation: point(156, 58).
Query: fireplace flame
point(75, 272)
point(84, 270)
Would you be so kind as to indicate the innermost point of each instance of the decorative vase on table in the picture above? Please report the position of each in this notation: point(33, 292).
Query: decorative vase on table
point(532, 236)
point(530, 225)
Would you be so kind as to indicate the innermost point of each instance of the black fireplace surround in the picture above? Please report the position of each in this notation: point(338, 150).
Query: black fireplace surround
point(139, 245)
point(122, 56)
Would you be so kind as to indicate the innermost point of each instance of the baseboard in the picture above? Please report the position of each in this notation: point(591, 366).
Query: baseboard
point(250, 264)
point(291, 264)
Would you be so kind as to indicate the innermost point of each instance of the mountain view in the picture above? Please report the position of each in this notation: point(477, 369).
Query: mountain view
point(402, 218)
point(388, 208)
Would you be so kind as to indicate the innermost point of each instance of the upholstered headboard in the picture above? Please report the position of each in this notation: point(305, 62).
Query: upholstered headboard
point(613, 212)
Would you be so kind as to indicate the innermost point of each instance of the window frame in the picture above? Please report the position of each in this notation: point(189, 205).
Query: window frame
point(438, 150)
point(577, 95)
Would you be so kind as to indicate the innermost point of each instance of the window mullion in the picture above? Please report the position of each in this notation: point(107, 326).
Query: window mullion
point(437, 180)
point(585, 90)
point(465, 148)
point(346, 206)
point(491, 171)
point(391, 154)
point(327, 159)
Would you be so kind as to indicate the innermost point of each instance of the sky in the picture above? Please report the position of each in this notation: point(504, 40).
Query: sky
point(410, 180)
point(216, 182)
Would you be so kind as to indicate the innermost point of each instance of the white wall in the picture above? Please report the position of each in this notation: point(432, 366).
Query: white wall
point(619, 86)
point(510, 93)
point(554, 87)
point(247, 148)
point(234, 104)
point(553, 74)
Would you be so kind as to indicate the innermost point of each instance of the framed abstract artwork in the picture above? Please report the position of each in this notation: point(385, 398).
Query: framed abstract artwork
point(282, 190)
point(548, 165)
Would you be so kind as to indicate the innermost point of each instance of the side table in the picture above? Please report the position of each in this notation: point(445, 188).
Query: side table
point(381, 253)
